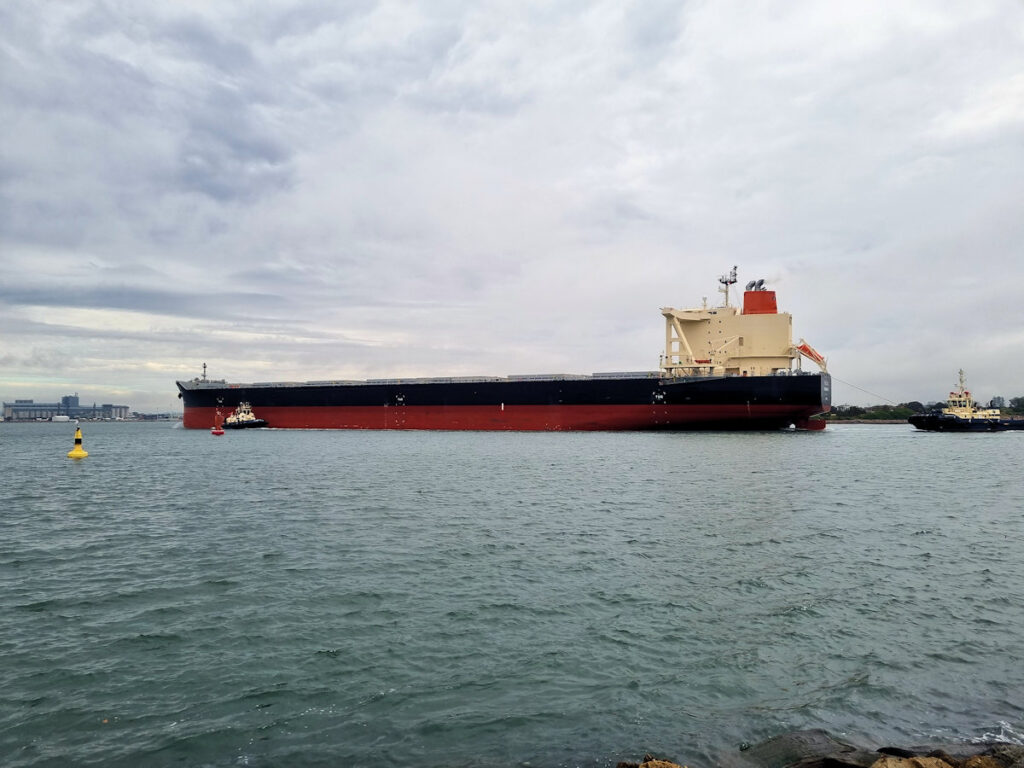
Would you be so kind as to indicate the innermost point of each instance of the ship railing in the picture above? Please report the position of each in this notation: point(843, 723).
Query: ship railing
point(548, 377)
point(626, 375)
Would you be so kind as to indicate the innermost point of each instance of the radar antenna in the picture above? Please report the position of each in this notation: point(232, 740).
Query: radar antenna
point(726, 281)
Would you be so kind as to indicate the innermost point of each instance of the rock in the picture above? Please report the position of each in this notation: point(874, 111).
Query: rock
point(892, 761)
point(817, 749)
point(1010, 755)
point(802, 749)
point(944, 755)
point(954, 754)
point(982, 761)
point(650, 761)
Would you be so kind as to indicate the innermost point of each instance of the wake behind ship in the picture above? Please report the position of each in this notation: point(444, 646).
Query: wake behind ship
point(723, 367)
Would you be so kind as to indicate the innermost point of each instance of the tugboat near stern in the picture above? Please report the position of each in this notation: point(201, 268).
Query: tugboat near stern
point(961, 415)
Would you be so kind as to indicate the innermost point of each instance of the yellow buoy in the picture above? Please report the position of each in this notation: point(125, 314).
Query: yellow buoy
point(77, 452)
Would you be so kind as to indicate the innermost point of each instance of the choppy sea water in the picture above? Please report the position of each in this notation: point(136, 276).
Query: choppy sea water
point(296, 598)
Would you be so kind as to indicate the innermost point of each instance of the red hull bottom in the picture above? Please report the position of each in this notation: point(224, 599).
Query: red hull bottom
point(535, 418)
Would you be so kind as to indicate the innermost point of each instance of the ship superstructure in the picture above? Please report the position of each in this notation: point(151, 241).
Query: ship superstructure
point(725, 367)
point(753, 340)
point(961, 403)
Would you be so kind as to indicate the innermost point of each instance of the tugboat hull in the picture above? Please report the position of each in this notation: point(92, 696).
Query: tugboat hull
point(255, 423)
point(941, 422)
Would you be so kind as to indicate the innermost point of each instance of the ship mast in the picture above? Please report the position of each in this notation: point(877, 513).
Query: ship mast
point(726, 281)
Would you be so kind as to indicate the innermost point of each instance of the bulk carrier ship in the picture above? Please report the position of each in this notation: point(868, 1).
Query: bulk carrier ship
point(726, 367)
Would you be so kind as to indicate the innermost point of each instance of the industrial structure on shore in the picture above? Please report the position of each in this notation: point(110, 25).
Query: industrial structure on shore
point(68, 407)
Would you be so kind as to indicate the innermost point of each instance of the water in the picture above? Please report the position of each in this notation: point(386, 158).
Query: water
point(474, 599)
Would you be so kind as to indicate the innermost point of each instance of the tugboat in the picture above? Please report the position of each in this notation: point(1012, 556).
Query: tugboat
point(960, 415)
point(243, 418)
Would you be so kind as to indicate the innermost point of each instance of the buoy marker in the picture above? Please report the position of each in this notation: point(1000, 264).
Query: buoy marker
point(78, 452)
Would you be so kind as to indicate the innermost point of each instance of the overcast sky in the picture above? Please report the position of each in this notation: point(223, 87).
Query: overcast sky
point(314, 190)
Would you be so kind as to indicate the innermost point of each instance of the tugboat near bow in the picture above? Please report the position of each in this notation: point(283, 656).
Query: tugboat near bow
point(243, 418)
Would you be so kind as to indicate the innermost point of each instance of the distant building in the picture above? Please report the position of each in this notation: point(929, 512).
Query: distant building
point(29, 410)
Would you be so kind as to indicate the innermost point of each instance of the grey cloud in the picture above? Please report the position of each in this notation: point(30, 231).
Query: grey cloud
point(200, 42)
point(271, 335)
point(391, 70)
point(213, 305)
point(70, 80)
point(293, 277)
point(212, 138)
point(303, 19)
point(609, 214)
point(228, 165)
point(44, 220)
point(490, 98)
point(38, 359)
point(652, 28)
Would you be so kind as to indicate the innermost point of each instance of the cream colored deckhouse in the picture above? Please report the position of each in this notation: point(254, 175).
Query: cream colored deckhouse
point(755, 340)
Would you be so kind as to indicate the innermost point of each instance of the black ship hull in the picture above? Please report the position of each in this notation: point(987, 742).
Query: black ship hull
point(599, 402)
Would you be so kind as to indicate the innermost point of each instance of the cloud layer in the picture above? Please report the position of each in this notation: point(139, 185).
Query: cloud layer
point(292, 191)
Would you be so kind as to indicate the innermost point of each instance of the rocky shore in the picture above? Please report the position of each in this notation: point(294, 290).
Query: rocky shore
point(818, 749)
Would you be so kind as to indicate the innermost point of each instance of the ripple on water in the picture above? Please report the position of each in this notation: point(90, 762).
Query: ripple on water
point(320, 598)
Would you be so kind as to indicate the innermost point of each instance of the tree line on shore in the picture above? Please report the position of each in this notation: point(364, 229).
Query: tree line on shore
point(1012, 407)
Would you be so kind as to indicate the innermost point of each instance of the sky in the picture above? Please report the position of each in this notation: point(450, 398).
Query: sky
point(322, 190)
